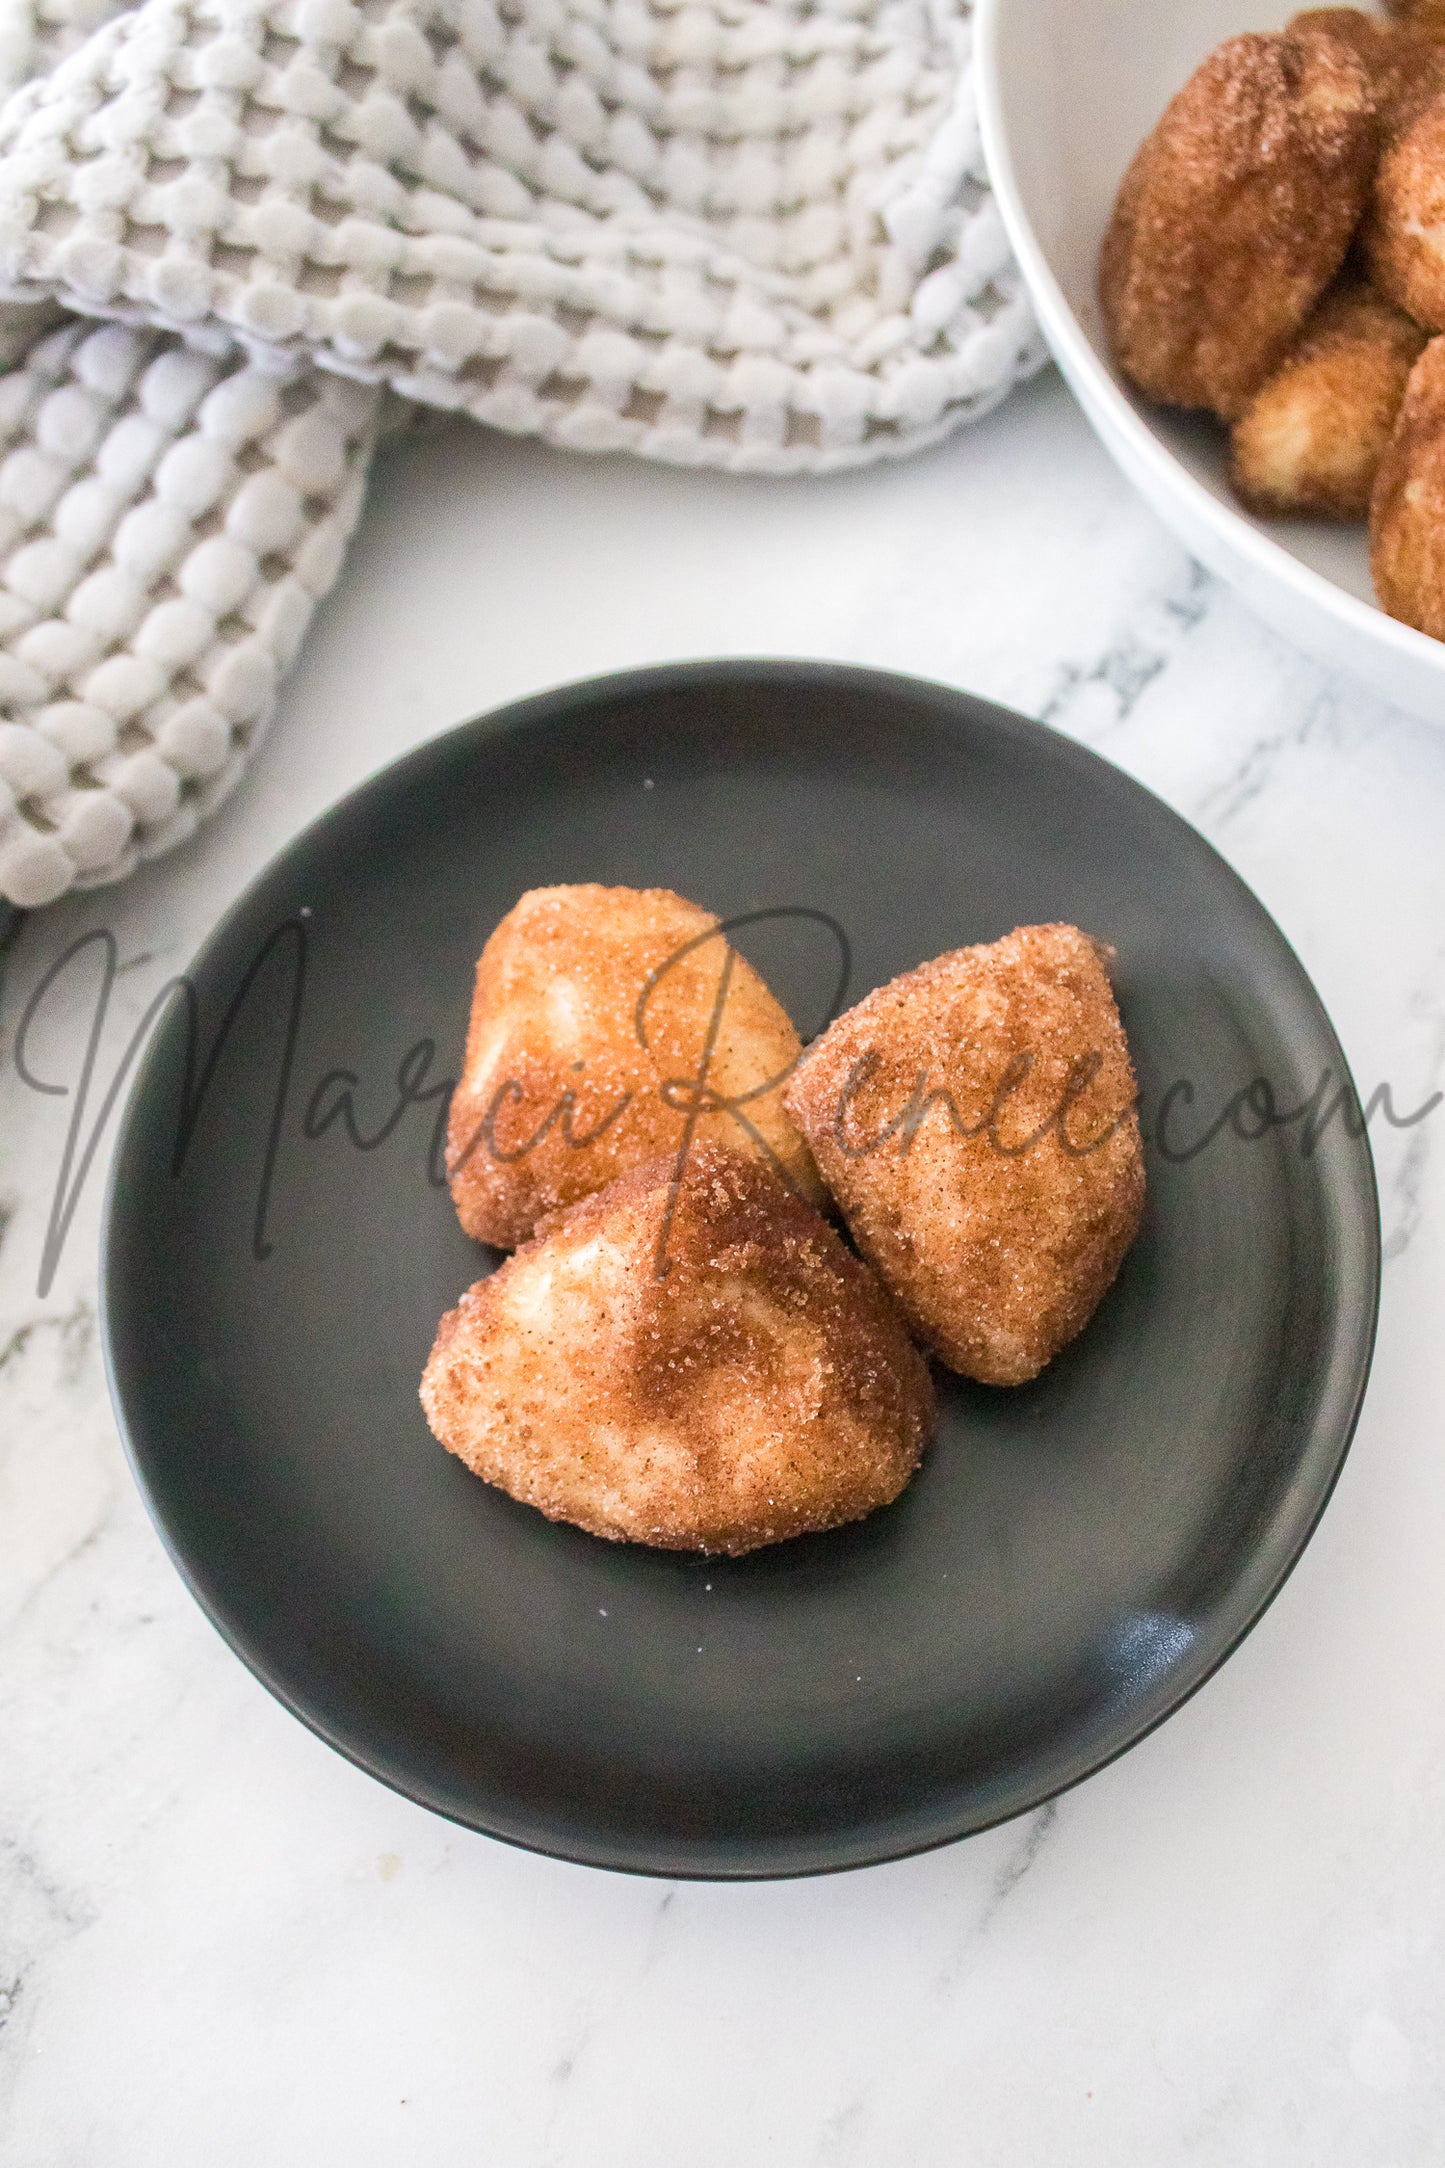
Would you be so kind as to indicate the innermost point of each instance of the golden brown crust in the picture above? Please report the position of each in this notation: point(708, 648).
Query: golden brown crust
point(760, 1386)
point(554, 1054)
point(1234, 217)
point(920, 1105)
point(1405, 61)
point(1407, 510)
point(1311, 440)
point(1404, 235)
point(1368, 36)
point(1427, 14)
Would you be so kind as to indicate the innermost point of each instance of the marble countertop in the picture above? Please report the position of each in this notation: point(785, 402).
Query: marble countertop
point(221, 1944)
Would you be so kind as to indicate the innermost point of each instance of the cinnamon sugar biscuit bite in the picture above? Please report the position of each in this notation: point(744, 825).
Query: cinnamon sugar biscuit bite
point(976, 1122)
point(1405, 61)
point(699, 1365)
point(603, 1020)
point(1404, 234)
point(1235, 216)
point(1429, 14)
point(1407, 511)
point(1311, 440)
point(1371, 37)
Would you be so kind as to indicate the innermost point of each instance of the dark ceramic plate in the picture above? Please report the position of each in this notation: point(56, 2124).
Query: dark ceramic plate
point(1074, 1557)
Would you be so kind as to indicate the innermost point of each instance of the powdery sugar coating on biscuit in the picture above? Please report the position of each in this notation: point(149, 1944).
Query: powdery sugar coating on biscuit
point(760, 1387)
point(1311, 440)
point(1407, 511)
point(1405, 61)
point(554, 1054)
point(1429, 14)
point(1402, 237)
point(1235, 216)
point(997, 1236)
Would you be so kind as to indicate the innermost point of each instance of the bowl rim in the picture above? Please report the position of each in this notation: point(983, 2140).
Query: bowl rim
point(1146, 459)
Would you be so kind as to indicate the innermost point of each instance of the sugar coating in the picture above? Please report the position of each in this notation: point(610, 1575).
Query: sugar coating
point(1404, 59)
point(1402, 239)
point(761, 1386)
point(1312, 438)
point(999, 1242)
point(1235, 215)
point(1429, 14)
point(1407, 510)
point(553, 1052)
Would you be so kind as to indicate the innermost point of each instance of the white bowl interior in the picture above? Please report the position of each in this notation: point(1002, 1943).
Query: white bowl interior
point(1068, 89)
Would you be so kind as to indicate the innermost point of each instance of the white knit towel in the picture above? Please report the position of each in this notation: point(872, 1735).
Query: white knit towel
point(752, 234)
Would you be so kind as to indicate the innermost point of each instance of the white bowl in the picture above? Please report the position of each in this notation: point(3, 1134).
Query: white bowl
point(1067, 91)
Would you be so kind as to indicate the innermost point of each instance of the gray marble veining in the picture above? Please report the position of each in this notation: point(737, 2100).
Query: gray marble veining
point(220, 1943)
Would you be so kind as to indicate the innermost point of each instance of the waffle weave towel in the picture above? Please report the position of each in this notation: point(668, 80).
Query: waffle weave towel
point(750, 234)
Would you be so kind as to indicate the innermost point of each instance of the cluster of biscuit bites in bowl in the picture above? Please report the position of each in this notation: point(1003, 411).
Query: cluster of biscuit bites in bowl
point(683, 1350)
point(1276, 257)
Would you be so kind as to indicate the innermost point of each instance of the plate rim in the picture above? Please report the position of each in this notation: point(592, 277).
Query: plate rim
point(536, 710)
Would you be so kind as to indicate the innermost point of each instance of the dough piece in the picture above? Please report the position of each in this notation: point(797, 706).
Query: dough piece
point(1405, 61)
point(567, 1083)
point(1427, 14)
point(1407, 511)
point(1235, 216)
point(976, 1122)
point(703, 1368)
point(1404, 235)
point(1311, 440)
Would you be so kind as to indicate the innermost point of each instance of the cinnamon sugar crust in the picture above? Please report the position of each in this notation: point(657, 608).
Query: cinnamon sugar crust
point(1405, 60)
point(1235, 216)
point(1407, 510)
point(1311, 440)
point(1403, 237)
point(1428, 14)
point(595, 1012)
point(975, 1120)
point(697, 1365)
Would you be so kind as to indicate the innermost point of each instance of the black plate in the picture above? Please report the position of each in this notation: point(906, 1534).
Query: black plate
point(1074, 1557)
